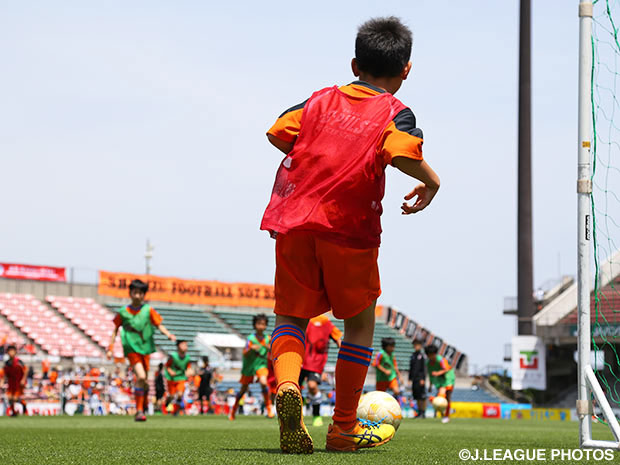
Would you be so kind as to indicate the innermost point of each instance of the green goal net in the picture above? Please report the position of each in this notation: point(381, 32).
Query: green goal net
point(605, 227)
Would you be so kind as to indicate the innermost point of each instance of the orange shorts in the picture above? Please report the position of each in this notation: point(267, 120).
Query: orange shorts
point(176, 386)
point(314, 275)
point(15, 391)
point(385, 385)
point(135, 358)
point(249, 379)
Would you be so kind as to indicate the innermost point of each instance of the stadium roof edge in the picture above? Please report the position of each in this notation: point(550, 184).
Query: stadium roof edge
point(566, 302)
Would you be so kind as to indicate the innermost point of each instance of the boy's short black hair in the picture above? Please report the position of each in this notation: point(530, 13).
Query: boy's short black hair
point(383, 47)
point(431, 349)
point(260, 317)
point(180, 341)
point(138, 285)
point(417, 341)
point(160, 366)
point(205, 359)
point(11, 346)
point(387, 341)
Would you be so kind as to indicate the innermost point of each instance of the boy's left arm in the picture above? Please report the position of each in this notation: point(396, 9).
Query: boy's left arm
point(25, 376)
point(336, 336)
point(167, 333)
point(400, 377)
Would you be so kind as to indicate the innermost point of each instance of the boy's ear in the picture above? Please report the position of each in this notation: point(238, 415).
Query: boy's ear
point(405, 72)
point(354, 68)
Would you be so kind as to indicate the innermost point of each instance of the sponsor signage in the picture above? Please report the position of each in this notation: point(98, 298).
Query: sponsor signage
point(528, 363)
point(555, 414)
point(32, 272)
point(600, 331)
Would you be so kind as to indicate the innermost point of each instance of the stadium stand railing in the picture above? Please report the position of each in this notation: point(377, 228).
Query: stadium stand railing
point(45, 327)
point(242, 321)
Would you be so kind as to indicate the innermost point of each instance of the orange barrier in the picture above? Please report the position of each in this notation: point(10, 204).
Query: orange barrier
point(189, 291)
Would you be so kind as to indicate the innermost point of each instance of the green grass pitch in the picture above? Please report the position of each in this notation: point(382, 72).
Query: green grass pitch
point(254, 441)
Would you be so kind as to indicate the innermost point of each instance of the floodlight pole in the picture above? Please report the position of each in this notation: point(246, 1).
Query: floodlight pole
point(148, 255)
point(584, 190)
point(525, 280)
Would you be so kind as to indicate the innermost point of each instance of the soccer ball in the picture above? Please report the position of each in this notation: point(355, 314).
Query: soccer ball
point(440, 403)
point(380, 407)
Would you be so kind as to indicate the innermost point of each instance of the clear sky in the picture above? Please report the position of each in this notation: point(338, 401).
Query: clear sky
point(122, 121)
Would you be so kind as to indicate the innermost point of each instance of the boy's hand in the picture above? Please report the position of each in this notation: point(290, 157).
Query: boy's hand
point(108, 354)
point(424, 197)
point(172, 337)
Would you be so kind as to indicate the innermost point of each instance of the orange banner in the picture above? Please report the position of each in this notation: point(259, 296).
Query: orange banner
point(189, 291)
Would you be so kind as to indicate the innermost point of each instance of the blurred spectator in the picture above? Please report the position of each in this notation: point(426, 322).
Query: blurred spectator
point(45, 368)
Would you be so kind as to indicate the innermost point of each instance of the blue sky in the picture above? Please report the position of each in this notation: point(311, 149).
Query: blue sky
point(122, 121)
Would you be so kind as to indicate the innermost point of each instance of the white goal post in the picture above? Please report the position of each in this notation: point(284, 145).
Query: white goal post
point(587, 382)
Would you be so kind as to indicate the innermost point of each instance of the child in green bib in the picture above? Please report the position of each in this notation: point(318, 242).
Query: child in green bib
point(137, 322)
point(178, 368)
point(255, 364)
point(441, 375)
point(388, 375)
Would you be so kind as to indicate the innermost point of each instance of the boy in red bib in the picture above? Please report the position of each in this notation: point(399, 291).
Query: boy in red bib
point(325, 213)
point(318, 334)
point(16, 374)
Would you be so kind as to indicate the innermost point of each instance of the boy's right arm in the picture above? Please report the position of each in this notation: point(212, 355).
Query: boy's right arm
point(111, 345)
point(425, 191)
point(282, 145)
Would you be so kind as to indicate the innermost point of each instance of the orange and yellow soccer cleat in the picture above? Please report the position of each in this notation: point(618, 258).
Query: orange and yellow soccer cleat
point(362, 435)
point(294, 437)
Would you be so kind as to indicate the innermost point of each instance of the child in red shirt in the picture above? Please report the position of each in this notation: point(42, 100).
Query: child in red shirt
point(15, 373)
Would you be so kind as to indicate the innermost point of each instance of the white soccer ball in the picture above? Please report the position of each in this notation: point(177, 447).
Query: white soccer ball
point(440, 403)
point(380, 407)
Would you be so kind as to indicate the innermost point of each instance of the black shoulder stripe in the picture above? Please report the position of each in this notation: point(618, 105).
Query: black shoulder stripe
point(405, 122)
point(299, 106)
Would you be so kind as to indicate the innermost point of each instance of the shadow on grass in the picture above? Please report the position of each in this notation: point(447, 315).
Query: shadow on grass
point(279, 452)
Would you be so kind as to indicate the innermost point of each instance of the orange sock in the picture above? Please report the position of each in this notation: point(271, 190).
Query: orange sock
point(288, 347)
point(351, 369)
point(139, 395)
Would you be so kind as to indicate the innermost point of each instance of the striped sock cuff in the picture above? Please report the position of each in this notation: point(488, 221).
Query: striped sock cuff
point(355, 353)
point(138, 391)
point(289, 330)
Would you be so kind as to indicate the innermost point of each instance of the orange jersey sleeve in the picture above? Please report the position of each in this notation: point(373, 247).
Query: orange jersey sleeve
point(156, 318)
point(288, 124)
point(377, 359)
point(402, 138)
point(117, 320)
point(336, 333)
point(444, 364)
